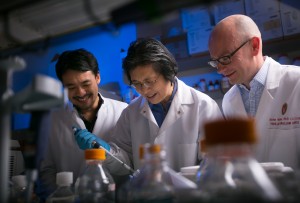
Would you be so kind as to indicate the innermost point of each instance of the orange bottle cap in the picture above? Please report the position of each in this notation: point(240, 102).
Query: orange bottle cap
point(154, 149)
point(98, 154)
point(141, 152)
point(230, 131)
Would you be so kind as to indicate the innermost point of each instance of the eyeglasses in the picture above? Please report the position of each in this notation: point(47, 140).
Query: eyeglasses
point(146, 84)
point(225, 60)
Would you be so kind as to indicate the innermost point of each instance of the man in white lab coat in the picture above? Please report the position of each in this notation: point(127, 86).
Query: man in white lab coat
point(263, 89)
point(78, 71)
point(168, 112)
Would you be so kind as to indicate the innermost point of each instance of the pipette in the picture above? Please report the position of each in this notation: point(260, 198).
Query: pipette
point(97, 145)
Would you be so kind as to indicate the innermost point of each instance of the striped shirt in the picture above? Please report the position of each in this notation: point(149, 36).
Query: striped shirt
point(252, 97)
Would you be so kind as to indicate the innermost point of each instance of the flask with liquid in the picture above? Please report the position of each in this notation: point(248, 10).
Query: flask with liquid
point(233, 174)
point(95, 184)
point(64, 192)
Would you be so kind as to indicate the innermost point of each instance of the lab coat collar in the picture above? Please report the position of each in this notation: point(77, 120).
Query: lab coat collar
point(183, 96)
point(273, 72)
point(267, 96)
point(271, 86)
point(235, 99)
point(78, 122)
point(184, 93)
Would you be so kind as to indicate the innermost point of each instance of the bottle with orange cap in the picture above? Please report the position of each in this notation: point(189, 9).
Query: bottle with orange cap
point(149, 185)
point(233, 174)
point(95, 184)
point(156, 182)
point(124, 193)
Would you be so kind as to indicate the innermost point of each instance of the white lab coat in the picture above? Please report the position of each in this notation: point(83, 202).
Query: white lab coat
point(278, 129)
point(179, 134)
point(63, 153)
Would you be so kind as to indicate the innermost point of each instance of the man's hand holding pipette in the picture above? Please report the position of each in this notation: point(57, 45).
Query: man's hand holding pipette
point(85, 139)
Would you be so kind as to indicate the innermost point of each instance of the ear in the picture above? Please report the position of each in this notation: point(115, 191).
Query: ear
point(256, 45)
point(98, 78)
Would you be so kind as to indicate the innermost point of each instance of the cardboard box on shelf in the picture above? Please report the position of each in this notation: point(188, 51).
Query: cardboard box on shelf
point(270, 26)
point(255, 8)
point(198, 40)
point(195, 18)
point(224, 9)
point(290, 17)
point(178, 47)
point(267, 17)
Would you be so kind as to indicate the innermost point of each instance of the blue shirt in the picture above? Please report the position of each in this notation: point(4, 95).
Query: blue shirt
point(159, 111)
point(252, 97)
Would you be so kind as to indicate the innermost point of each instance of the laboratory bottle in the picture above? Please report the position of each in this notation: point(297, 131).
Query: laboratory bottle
point(233, 174)
point(157, 182)
point(95, 184)
point(18, 189)
point(124, 192)
point(225, 85)
point(202, 85)
point(64, 192)
point(204, 162)
point(284, 59)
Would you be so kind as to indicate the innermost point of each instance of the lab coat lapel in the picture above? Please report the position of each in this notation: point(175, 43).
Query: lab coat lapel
point(77, 121)
point(237, 104)
point(147, 113)
point(182, 96)
point(101, 115)
point(270, 89)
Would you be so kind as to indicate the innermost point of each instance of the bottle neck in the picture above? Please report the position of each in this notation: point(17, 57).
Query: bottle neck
point(93, 161)
point(230, 150)
point(154, 166)
point(154, 159)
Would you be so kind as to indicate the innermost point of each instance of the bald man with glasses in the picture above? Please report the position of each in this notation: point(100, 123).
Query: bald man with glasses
point(263, 88)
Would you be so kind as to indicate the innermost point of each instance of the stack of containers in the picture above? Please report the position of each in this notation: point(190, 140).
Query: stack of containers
point(266, 14)
point(223, 9)
point(197, 23)
point(290, 17)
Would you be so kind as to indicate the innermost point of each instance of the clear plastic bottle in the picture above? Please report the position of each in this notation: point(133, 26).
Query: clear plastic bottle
point(63, 193)
point(156, 182)
point(233, 174)
point(95, 184)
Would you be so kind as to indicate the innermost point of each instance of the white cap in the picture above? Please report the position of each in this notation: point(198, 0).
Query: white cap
point(19, 180)
point(64, 178)
point(272, 166)
point(287, 169)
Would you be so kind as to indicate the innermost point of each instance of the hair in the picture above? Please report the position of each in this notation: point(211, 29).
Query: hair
point(148, 51)
point(78, 60)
